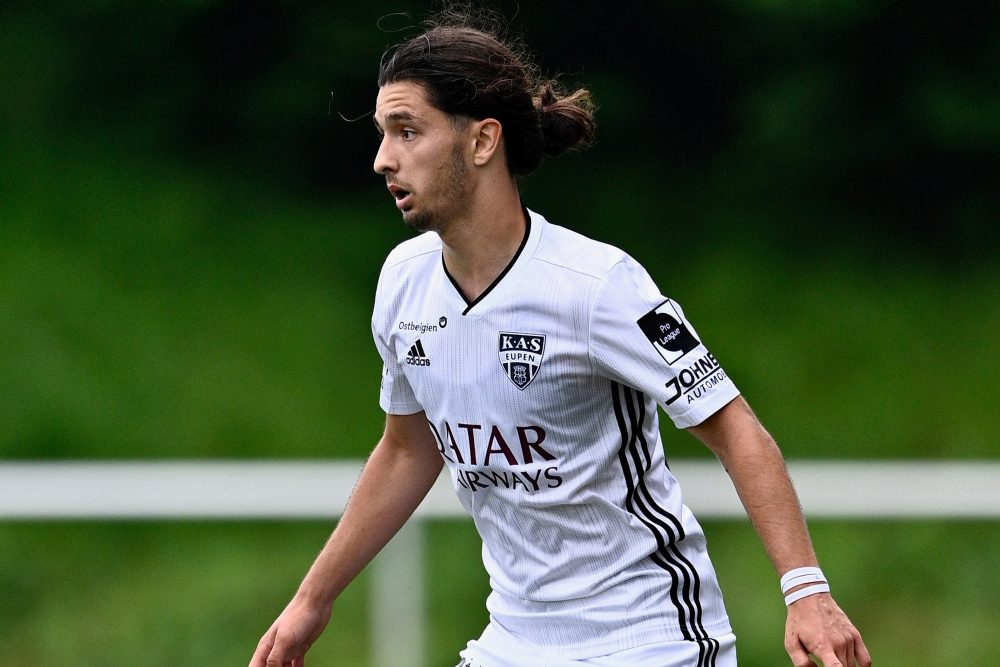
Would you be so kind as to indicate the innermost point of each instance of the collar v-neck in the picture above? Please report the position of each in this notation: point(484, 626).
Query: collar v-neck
point(469, 305)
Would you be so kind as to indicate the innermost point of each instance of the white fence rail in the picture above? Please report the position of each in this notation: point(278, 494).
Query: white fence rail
point(320, 489)
point(192, 490)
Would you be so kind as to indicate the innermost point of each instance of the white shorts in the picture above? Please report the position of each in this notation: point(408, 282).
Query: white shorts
point(714, 652)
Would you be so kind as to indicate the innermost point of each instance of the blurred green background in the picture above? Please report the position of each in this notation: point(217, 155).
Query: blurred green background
point(190, 236)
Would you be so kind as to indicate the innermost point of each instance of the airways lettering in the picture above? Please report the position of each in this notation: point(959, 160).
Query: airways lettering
point(526, 480)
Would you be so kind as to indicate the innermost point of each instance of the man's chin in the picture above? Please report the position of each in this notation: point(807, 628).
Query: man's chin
point(417, 221)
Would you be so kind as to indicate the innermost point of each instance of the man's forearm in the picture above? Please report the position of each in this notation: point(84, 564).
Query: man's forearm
point(395, 479)
point(761, 479)
point(757, 469)
point(815, 624)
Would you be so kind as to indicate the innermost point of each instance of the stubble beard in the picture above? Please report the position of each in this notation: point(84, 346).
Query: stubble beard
point(452, 199)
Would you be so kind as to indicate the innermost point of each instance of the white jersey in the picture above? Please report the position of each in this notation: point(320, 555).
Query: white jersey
point(542, 395)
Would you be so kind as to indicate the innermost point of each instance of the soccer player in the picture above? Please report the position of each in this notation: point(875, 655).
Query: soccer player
point(530, 360)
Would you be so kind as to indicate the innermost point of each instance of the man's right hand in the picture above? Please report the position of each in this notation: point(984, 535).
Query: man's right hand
point(286, 642)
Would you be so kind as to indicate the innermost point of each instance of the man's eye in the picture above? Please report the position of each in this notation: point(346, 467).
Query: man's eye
point(408, 134)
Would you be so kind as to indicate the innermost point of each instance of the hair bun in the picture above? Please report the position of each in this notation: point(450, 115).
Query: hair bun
point(566, 121)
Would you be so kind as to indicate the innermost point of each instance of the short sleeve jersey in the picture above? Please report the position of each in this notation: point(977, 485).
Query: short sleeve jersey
point(542, 395)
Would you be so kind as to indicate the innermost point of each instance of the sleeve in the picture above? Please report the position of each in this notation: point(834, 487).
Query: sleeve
point(396, 396)
point(640, 338)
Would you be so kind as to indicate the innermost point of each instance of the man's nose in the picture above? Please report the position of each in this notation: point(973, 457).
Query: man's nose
point(383, 160)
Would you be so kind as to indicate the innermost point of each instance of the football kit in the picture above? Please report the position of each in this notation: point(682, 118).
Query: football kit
point(542, 395)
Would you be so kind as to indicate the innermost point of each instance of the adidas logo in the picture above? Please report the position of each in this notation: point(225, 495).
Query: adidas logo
point(416, 356)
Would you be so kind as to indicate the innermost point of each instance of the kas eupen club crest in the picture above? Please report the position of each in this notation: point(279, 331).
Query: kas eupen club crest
point(520, 356)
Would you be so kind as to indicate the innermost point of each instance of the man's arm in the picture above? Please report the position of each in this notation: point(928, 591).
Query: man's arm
point(815, 624)
point(398, 474)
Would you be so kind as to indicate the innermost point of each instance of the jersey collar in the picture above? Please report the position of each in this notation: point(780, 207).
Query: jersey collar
point(532, 225)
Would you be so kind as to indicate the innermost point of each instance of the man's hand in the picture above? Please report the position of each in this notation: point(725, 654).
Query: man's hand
point(817, 626)
point(286, 642)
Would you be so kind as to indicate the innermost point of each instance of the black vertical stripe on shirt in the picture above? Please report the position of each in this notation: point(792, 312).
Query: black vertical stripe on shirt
point(667, 523)
point(636, 407)
point(636, 460)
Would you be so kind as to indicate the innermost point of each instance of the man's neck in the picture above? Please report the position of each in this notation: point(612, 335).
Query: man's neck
point(477, 249)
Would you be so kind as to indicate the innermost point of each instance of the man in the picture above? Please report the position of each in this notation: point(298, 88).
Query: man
point(530, 360)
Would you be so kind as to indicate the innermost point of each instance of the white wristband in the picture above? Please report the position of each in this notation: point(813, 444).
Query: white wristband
point(801, 575)
point(806, 592)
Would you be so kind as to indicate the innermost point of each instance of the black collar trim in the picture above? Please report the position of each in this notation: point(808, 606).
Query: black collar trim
point(513, 260)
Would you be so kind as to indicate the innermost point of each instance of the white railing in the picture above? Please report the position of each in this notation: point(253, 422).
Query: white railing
point(191, 490)
point(320, 489)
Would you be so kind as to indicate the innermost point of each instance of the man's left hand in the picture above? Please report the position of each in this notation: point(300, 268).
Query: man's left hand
point(817, 626)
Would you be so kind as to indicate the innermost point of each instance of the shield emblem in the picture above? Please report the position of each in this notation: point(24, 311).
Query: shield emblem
point(521, 356)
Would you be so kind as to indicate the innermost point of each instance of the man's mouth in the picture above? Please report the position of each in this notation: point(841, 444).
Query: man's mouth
point(401, 195)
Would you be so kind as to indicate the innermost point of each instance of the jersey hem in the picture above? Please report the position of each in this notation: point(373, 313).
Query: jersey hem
point(697, 415)
point(498, 639)
point(401, 410)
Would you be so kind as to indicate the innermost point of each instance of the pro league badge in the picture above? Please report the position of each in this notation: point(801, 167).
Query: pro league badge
point(668, 332)
point(520, 356)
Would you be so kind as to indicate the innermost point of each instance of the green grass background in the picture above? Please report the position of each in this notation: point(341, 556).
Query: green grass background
point(163, 594)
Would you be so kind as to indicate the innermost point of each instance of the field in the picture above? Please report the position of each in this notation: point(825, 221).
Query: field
point(184, 594)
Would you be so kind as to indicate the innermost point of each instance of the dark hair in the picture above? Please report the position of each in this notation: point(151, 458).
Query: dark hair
point(469, 71)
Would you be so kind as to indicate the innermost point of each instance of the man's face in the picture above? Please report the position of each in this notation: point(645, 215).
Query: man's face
point(422, 156)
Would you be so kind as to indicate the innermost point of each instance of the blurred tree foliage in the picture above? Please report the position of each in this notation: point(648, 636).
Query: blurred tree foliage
point(806, 122)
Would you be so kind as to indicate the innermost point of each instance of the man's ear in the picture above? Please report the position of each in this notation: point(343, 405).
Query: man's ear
point(487, 134)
